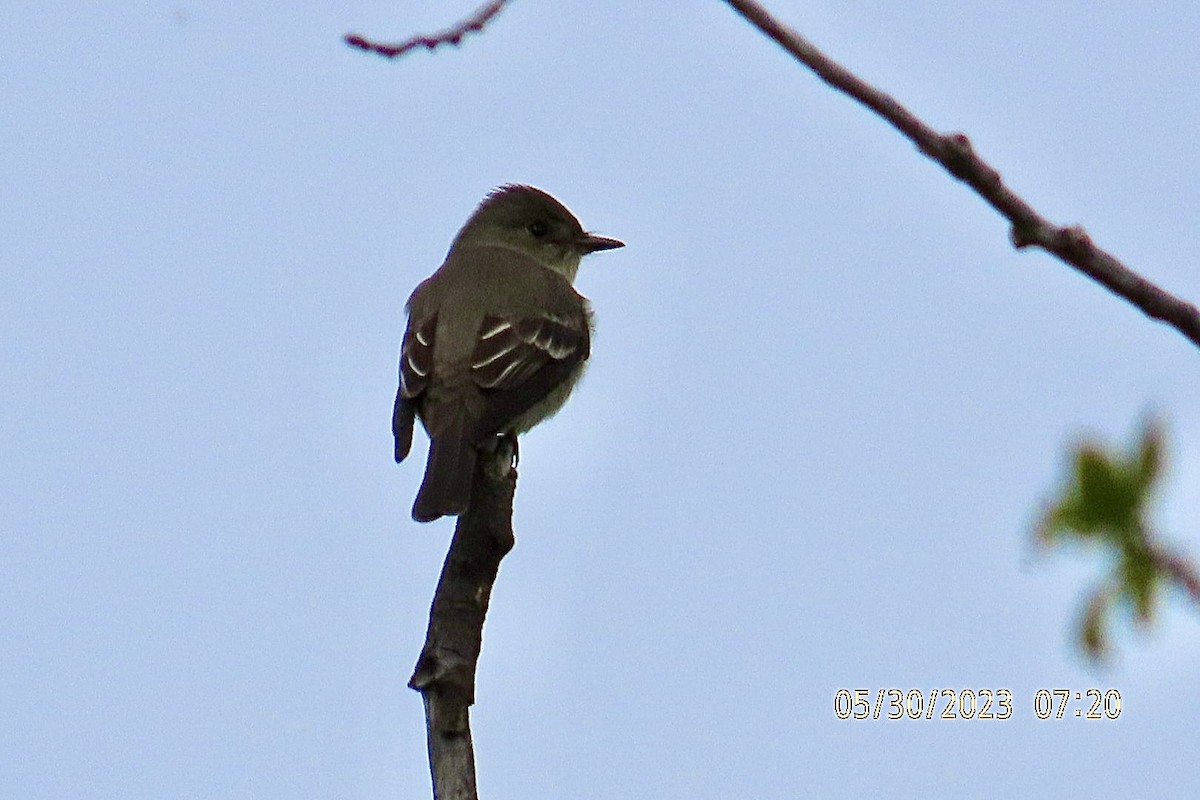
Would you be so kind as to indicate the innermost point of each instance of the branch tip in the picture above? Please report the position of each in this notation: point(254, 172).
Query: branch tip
point(452, 35)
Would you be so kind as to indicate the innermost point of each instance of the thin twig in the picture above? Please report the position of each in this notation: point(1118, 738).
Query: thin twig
point(1179, 569)
point(445, 671)
point(954, 152)
point(452, 35)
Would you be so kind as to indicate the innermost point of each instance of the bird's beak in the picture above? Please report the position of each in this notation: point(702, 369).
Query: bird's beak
point(590, 243)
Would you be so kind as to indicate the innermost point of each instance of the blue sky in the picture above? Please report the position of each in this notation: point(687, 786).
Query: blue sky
point(825, 401)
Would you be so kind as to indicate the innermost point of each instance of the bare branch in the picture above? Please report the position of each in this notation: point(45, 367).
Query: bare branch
point(1179, 569)
point(445, 671)
point(954, 152)
point(452, 35)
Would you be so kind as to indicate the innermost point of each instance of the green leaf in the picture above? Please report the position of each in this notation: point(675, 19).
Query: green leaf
point(1104, 500)
point(1093, 634)
point(1139, 581)
point(1150, 457)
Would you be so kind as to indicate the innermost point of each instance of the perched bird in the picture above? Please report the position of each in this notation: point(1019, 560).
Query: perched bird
point(496, 338)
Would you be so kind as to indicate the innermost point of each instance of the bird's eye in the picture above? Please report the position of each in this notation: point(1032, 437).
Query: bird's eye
point(538, 229)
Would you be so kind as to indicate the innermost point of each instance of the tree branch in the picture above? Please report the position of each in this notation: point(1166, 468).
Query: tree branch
point(453, 35)
point(954, 152)
point(445, 671)
point(1179, 570)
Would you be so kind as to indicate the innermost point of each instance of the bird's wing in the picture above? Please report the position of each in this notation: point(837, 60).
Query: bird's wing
point(519, 360)
point(416, 364)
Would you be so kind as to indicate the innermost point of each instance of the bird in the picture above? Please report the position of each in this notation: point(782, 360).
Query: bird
point(497, 338)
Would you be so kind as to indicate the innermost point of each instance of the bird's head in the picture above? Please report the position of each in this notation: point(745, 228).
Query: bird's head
point(529, 220)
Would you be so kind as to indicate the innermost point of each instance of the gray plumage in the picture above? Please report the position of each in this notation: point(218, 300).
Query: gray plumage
point(496, 340)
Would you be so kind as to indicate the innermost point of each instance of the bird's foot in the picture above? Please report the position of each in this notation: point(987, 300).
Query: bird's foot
point(503, 446)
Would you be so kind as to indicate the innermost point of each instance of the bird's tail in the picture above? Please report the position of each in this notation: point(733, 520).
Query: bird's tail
point(446, 489)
